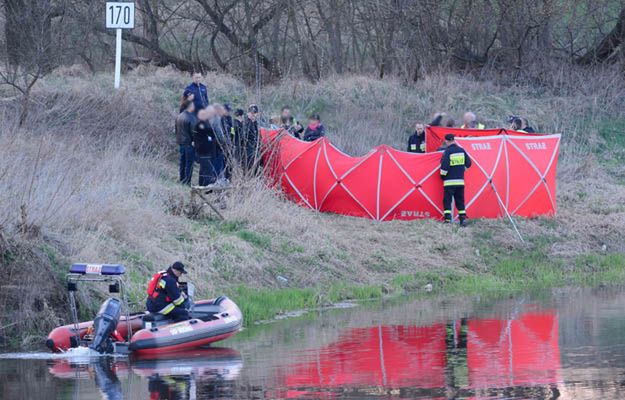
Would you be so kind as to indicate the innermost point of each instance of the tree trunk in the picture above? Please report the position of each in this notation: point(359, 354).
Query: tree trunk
point(608, 45)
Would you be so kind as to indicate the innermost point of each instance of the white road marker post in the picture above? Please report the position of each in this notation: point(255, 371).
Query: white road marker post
point(118, 58)
point(119, 16)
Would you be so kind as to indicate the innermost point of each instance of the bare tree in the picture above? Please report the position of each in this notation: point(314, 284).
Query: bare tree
point(33, 46)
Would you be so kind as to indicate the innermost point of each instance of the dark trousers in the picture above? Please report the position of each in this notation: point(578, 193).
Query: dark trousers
point(219, 163)
point(187, 158)
point(178, 314)
point(456, 193)
point(208, 176)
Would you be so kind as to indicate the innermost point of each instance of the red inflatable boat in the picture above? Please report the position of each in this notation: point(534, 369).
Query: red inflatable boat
point(213, 320)
point(114, 330)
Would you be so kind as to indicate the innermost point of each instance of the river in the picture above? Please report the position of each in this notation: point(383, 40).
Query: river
point(565, 344)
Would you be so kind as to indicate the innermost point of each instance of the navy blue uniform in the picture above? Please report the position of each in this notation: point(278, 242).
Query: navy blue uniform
point(416, 143)
point(453, 164)
point(205, 144)
point(167, 298)
point(200, 95)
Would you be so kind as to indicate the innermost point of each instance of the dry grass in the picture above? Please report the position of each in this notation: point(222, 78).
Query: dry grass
point(91, 177)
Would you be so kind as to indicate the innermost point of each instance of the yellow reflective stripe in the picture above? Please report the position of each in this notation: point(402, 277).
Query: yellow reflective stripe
point(162, 284)
point(167, 309)
point(413, 147)
point(178, 301)
point(422, 146)
point(479, 126)
point(232, 132)
point(456, 159)
point(454, 182)
point(447, 211)
point(443, 172)
point(462, 212)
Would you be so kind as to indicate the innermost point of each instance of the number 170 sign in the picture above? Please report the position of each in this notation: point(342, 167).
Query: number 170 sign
point(120, 15)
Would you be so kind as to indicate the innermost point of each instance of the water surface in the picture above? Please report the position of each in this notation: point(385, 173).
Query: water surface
point(565, 344)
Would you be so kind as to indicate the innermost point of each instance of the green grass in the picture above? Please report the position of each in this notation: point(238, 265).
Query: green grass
point(513, 275)
point(520, 272)
point(256, 239)
point(265, 304)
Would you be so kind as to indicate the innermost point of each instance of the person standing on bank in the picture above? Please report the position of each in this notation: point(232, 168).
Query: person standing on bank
point(199, 92)
point(416, 141)
point(185, 126)
point(453, 165)
point(205, 143)
point(250, 139)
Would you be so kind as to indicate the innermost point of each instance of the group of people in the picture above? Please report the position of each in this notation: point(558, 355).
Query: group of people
point(416, 141)
point(216, 136)
point(313, 131)
point(219, 137)
point(455, 161)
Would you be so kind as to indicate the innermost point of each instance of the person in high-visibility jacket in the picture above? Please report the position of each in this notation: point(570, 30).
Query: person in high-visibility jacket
point(470, 122)
point(164, 295)
point(416, 141)
point(454, 162)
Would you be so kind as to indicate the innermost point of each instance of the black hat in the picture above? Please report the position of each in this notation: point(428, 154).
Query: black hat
point(239, 112)
point(316, 117)
point(253, 108)
point(178, 266)
point(449, 137)
point(228, 107)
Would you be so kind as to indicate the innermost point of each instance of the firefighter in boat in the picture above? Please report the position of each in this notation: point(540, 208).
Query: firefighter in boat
point(165, 296)
point(453, 165)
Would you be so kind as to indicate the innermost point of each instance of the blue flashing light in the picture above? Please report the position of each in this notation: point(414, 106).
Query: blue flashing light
point(97, 269)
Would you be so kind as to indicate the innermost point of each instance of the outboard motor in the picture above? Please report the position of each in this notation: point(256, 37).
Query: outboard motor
point(104, 324)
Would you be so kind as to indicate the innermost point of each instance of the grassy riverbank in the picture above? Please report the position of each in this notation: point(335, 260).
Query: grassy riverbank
point(508, 276)
point(92, 174)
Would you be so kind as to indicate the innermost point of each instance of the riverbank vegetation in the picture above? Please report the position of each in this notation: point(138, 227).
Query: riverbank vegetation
point(91, 176)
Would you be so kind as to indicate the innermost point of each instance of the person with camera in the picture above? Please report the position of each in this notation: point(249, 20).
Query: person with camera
point(290, 124)
point(519, 124)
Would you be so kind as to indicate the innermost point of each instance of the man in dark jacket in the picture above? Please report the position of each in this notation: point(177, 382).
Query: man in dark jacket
point(199, 92)
point(236, 133)
point(227, 123)
point(416, 141)
point(164, 295)
point(315, 129)
point(185, 125)
point(249, 138)
point(205, 144)
point(453, 164)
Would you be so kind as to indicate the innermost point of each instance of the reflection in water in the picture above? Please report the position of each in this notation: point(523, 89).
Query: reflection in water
point(476, 357)
point(183, 375)
point(569, 345)
point(178, 375)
